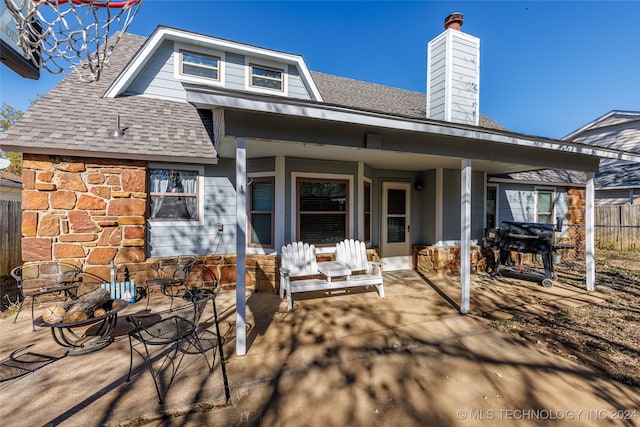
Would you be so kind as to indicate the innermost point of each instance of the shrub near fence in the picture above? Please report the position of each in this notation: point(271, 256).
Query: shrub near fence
point(617, 227)
point(10, 235)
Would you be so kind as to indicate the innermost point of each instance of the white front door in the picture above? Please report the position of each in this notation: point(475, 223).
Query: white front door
point(395, 247)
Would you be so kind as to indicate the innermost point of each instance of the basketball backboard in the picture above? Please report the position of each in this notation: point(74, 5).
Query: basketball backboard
point(10, 51)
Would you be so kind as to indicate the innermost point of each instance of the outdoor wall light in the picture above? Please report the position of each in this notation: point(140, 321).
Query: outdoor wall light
point(418, 183)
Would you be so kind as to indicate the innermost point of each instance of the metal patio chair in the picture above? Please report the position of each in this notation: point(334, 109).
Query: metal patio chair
point(63, 284)
point(168, 328)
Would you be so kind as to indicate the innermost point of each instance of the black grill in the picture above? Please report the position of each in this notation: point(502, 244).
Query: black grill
point(525, 237)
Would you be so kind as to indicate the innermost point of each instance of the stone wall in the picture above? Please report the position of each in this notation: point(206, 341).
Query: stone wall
point(576, 202)
point(83, 211)
point(445, 260)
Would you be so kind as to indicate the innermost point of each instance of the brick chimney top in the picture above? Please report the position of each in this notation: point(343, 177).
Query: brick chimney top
point(453, 21)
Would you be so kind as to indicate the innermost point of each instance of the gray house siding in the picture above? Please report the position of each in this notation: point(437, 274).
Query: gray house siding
point(219, 207)
point(157, 79)
point(451, 205)
point(296, 86)
point(437, 82)
point(234, 71)
point(427, 207)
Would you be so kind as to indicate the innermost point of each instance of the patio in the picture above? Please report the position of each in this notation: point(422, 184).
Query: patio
point(351, 359)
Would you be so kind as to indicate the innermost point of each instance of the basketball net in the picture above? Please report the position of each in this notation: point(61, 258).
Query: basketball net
point(63, 35)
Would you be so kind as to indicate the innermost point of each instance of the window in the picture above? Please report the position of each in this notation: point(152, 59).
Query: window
point(491, 208)
point(261, 212)
point(322, 210)
point(174, 194)
point(265, 77)
point(199, 65)
point(544, 206)
point(367, 212)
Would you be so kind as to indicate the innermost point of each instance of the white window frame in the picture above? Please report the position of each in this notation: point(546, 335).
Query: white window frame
point(367, 181)
point(200, 194)
point(250, 62)
point(551, 190)
point(258, 248)
point(497, 187)
point(294, 203)
point(177, 65)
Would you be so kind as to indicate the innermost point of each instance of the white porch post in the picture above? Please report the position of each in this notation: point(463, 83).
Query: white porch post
point(439, 204)
point(465, 235)
point(241, 245)
point(589, 219)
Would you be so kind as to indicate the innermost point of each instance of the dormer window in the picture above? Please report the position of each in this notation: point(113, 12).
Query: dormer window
point(199, 65)
point(266, 77)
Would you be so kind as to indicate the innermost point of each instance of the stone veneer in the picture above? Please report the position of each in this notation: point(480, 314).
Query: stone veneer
point(83, 211)
point(445, 260)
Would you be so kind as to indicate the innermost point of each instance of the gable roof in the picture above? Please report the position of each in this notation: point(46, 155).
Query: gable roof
point(74, 117)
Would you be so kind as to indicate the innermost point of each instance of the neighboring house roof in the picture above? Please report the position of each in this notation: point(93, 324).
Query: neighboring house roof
point(76, 117)
point(10, 180)
point(618, 130)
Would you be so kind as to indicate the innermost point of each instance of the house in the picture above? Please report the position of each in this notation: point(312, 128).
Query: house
point(617, 181)
point(195, 145)
point(10, 186)
point(542, 195)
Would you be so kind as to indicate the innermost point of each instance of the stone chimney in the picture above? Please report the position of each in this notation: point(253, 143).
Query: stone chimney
point(453, 74)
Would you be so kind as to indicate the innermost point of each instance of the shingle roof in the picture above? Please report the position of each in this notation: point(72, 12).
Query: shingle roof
point(374, 97)
point(75, 117)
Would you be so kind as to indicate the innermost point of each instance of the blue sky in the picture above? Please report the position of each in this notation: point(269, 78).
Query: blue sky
point(547, 67)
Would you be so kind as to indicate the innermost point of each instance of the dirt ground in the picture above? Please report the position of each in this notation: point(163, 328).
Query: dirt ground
point(604, 336)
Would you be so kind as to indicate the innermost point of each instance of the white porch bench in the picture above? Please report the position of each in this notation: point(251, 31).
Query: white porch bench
point(299, 269)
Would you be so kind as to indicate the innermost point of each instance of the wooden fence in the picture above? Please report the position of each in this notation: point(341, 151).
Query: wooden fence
point(10, 235)
point(617, 227)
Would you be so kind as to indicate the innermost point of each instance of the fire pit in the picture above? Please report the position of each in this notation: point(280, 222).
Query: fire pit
point(79, 337)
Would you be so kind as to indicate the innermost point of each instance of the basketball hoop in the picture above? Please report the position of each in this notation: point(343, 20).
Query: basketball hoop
point(62, 35)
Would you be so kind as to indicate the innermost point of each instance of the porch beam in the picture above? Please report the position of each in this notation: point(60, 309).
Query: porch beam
point(241, 245)
point(465, 235)
point(589, 249)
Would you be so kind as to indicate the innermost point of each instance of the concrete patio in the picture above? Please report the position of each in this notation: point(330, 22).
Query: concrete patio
point(347, 359)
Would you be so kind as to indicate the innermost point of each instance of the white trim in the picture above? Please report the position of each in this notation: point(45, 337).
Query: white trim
point(241, 244)
point(497, 187)
point(465, 235)
point(157, 223)
point(448, 69)
point(280, 166)
point(589, 219)
point(294, 203)
point(255, 249)
point(361, 209)
point(439, 205)
point(554, 201)
point(276, 66)
point(178, 48)
point(160, 34)
point(396, 256)
point(524, 181)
